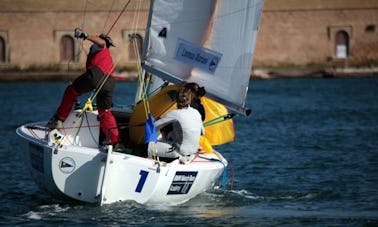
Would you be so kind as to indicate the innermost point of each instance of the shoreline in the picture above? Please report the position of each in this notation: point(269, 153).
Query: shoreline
point(52, 76)
point(314, 73)
point(22, 76)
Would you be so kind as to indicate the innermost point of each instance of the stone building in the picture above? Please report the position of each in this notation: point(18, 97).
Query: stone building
point(318, 32)
point(39, 34)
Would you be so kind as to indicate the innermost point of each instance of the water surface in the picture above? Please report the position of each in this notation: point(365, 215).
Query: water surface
point(308, 155)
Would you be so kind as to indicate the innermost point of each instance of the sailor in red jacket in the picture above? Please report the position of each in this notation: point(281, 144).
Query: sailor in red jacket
point(99, 64)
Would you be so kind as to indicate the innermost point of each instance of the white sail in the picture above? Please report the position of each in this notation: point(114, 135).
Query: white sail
point(210, 42)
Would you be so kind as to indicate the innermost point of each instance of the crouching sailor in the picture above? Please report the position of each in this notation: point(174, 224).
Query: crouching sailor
point(179, 130)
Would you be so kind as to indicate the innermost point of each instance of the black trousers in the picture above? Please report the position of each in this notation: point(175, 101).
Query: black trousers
point(89, 81)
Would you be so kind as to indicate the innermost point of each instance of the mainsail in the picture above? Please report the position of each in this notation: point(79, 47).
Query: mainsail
point(210, 42)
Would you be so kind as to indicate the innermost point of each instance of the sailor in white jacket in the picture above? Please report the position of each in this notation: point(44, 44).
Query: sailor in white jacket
point(180, 129)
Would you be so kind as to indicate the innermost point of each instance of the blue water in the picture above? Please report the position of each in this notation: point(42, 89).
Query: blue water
point(308, 155)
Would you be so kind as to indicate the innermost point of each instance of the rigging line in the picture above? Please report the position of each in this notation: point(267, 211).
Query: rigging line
point(135, 22)
point(132, 37)
point(107, 17)
point(219, 119)
point(78, 130)
point(90, 130)
point(94, 94)
point(147, 79)
point(88, 104)
point(132, 24)
point(98, 88)
point(85, 13)
point(77, 54)
point(77, 126)
point(120, 14)
point(82, 27)
point(81, 47)
point(100, 85)
point(145, 101)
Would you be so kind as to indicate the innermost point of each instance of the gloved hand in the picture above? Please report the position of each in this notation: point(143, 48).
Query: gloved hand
point(80, 34)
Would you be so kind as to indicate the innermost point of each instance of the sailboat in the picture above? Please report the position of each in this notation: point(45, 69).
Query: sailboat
point(209, 42)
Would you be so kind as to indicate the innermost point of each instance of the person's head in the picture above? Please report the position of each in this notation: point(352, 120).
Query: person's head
point(183, 97)
point(107, 40)
point(196, 89)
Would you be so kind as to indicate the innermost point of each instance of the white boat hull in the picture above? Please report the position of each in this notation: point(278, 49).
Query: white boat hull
point(94, 175)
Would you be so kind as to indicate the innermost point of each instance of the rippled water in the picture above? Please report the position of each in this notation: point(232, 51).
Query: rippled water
point(308, 155)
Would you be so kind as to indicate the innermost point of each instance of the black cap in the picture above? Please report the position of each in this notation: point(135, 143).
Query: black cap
point(108, 40)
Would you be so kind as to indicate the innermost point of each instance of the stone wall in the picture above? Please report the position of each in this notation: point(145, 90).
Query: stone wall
point(292, 32)
point(302, 37)
point(33, 30)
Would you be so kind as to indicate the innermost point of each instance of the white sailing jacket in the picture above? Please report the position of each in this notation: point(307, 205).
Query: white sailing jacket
point(191, 125)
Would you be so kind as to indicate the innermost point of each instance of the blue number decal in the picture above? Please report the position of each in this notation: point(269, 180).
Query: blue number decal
point(143, 176)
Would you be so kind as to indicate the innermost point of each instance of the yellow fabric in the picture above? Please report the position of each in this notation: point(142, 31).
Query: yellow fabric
point(219, 133)
point(160, 104)
point(205, 144)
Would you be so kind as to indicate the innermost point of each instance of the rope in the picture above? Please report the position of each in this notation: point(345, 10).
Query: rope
point(142, 86)
point(145, 101)
point(134, 25)
point(78, 126)
point(81, 46)
point(218, 119)
point(85, 13)
point(88, 104)
point(115, 22)
point(65, 137)
point(107, 17)
point(139, 68)
point(224, 173)
point(77, 131)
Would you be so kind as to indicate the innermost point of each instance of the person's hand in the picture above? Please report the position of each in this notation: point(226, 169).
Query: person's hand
point(80, 34)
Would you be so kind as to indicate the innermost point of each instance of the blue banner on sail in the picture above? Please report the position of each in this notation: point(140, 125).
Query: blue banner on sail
point(197, 56)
